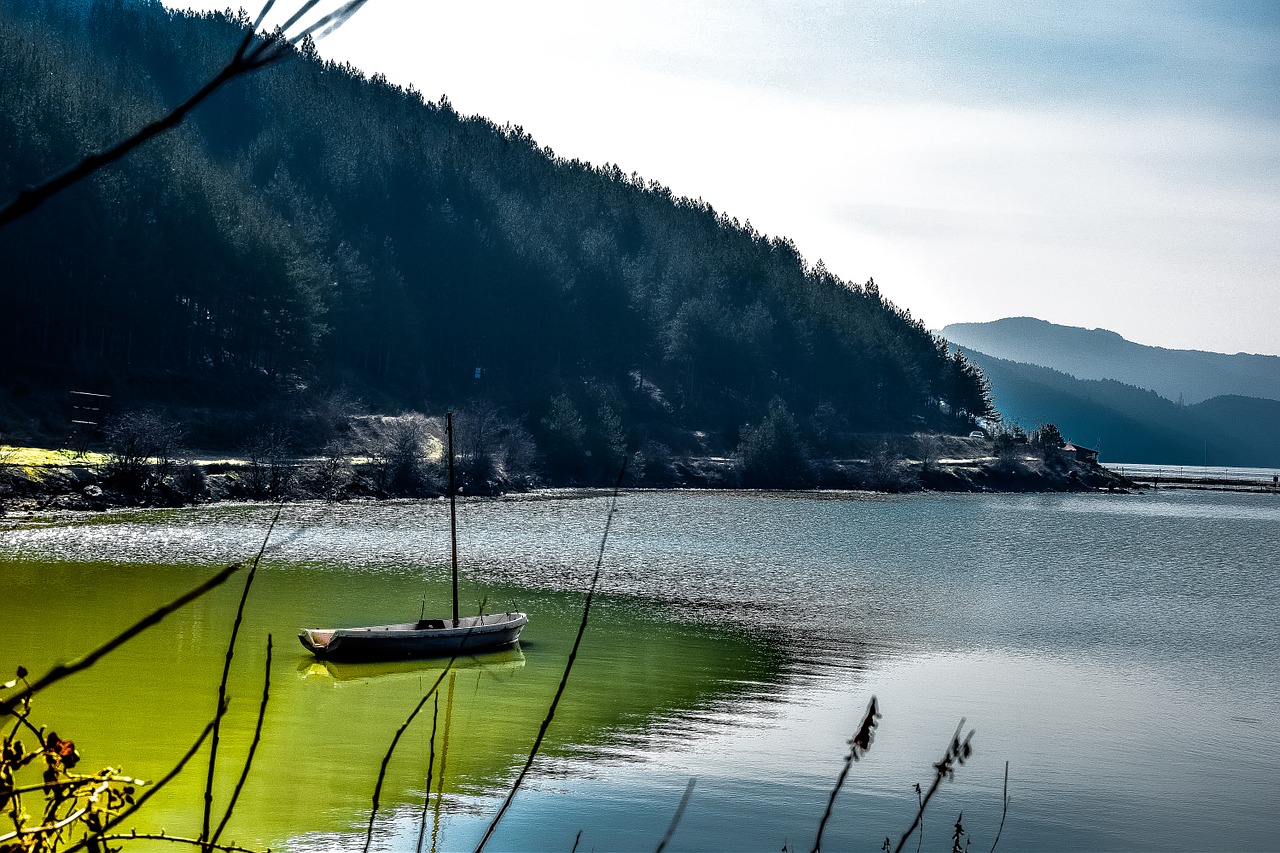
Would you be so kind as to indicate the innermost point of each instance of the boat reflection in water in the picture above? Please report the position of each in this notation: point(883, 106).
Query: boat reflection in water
point(442, 675)
point(502, 662)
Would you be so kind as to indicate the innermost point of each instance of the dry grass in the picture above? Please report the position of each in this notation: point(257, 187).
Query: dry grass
point(33, 459)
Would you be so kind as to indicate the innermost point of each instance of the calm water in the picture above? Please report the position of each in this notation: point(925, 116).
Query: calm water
point(1119, 651)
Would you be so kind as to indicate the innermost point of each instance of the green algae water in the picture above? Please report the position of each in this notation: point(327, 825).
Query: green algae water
point(1118, 651)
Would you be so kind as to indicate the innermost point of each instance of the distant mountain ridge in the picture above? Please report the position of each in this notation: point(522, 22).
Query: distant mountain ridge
point(1191, 376)
point(1130, 424)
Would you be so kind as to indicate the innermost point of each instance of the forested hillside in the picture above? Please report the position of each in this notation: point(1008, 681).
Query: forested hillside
point(312, 232)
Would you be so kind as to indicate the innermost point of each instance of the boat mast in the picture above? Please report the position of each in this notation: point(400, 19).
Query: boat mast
point(453, 516)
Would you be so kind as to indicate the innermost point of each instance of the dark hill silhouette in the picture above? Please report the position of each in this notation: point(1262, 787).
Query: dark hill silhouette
point(1191, 376)
point(311, 231)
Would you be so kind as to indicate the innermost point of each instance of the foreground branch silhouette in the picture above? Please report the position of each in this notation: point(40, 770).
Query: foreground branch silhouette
point(99, 803)
point(61, 671)
point(253, 53)
point(568, 667)
point(957, 752)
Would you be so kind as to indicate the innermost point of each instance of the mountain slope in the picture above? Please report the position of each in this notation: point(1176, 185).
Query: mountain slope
point(312, 229)
point(1130, 424)
point(1191, 376)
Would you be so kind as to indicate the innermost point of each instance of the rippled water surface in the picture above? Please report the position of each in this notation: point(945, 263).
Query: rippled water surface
point(1119, 651)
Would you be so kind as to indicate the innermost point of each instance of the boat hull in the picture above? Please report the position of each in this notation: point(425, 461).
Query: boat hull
point(426, 639)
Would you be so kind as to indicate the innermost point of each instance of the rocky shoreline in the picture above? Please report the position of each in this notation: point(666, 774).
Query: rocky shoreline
point(88, 487)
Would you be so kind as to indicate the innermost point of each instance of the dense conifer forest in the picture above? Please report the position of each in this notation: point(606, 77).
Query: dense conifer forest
point(311, 233)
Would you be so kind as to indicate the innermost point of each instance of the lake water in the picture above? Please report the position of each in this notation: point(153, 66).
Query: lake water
point(1119, 651)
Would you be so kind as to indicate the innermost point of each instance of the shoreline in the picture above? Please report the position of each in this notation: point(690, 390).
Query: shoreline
point(1200, 478)
point(85, 487)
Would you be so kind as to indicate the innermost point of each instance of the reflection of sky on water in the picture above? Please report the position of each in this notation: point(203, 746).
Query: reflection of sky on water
point(1177, 503)
point(1102, 757)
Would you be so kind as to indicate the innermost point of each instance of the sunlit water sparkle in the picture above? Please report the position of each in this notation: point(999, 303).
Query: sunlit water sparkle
point(1118, 650)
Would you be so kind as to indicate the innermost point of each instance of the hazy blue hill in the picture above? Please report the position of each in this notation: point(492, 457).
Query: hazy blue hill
point(1191, 375)
point(1254, 422)
point(1131, 424)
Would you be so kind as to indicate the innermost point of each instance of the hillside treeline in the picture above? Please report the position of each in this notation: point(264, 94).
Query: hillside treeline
point(311, 230)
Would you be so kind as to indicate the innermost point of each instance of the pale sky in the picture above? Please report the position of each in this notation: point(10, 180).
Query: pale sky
point(1096, 164)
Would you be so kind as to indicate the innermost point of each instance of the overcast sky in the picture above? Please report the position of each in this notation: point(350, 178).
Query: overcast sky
point(1096, 164)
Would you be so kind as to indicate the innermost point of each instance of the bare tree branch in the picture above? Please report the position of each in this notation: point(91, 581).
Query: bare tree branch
point(386, 759)
point(62, 671)
point(957, 751)
point(675, 819)
point(1004, 808)
point(858, 746)
point(176, 839)
point(253, 53)
point(226, 673)
point(94, 838)
point(253, 749)
point(568, 668)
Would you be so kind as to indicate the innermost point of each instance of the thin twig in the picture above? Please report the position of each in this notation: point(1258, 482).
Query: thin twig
point(431, 766)
point(178, 839)
point(50, 826)
point(150, 792)
point(62, 671)
point(267, 52)
point(675, 819)
point(386, 759)
point(1004, 808)
point(920, 803)
point(957, 752)
point(331, 21)
point(858, 746)
point(253, 748)
point(75, 781)
point(226, 673)
point(568, 668)
point(24, 716)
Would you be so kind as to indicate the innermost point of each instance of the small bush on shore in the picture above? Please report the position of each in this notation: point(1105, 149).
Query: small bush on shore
point(772, 453)
point(142, 445)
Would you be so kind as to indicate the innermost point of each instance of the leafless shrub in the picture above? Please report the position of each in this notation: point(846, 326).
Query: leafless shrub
point(493, 451)
point(332, 471)
point(929, 450)
point(399, 450)
point(272, 468)
point(7, 475)
point(887, 469)
point(189, 479)
point(142, 445)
